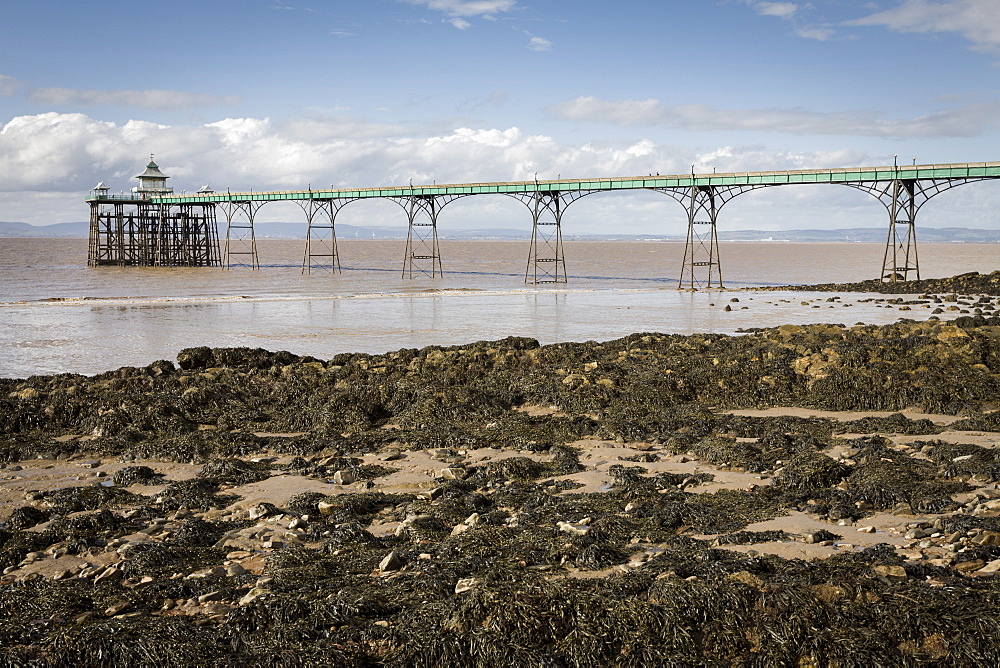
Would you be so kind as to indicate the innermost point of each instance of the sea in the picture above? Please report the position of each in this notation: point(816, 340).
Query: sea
point(57, 315)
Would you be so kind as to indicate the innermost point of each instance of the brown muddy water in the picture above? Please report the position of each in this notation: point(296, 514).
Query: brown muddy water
point(57, 315)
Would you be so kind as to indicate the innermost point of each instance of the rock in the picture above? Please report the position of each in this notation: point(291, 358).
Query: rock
point(453, 473)
point(990, 568)
point(969, 566)
point(465, 584)
point(254, 594)
point(460, 529)
point(217, 608)
point(344, 478)
point(890, 571)
point(210, 597)
point(326, 507)
point(391, 562)
point(575, 529)
point(117, 608)
point(866, 529)
point(430, 494)
point(233, 570)
point(262, 510)
point(110, 575)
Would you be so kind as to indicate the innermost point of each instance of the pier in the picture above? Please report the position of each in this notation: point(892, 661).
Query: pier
point(154, 226)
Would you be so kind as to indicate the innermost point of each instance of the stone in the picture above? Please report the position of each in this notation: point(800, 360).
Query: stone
point(575, 529)
point(210, 597)
point(259, 511)
point(969, 566)
point(465, 584)
point(990, 568)
point(453, 473)
point(890, 571)
point(344, 478)
point(217, 608)
point(117, 608)
point(391, 562)
point(430, 494)
point(110, 574)
point(254, 594)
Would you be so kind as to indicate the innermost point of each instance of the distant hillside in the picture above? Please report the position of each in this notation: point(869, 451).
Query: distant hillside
point(298, 231)
point(57, 230)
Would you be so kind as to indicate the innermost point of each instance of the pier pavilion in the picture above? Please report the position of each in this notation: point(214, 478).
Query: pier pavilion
point(135, 229)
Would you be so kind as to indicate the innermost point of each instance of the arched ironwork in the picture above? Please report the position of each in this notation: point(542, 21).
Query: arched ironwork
point(241, 239)
point(702, 266)
point(423, 252)
point(321, 234)
point(546, 258)
point(903, 198)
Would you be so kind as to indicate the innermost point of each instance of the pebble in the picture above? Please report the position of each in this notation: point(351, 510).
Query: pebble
point(344, 478)
point(391, 562)
point(254, 594)
point(465, 584)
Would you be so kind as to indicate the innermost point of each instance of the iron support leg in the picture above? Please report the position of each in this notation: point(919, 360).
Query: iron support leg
point(546, 260)
point(701, 267)
point(423, 254)
point(900, 256)
point(241, 239)
point(321, 235)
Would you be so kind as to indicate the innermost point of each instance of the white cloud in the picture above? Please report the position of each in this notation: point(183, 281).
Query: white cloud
point(539, 44)
point(965, 121)
point(69, 153)
point(9, 86)
point(818, 33)
point(48, 162)
point(467, 8)
point(978, 21)
point(782, 10)
point(163, 100)
point(461, 24)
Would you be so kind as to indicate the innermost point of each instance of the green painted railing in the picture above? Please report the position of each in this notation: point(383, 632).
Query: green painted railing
point(971, 170)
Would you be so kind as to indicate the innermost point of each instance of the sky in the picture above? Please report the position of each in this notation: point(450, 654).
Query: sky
point(286, 94)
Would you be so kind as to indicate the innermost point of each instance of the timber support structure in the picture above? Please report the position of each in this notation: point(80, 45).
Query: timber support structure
point(133, 230)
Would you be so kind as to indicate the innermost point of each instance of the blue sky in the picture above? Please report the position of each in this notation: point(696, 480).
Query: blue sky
point(277, 94)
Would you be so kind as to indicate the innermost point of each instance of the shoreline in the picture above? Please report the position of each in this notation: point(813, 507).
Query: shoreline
point(696, 498)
